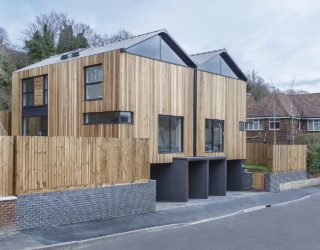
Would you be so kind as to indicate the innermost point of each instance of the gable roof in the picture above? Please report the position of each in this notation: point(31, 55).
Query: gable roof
point(201, 58)
point(299, 106)
point(122, 45)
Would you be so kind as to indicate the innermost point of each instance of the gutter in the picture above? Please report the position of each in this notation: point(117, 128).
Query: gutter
point(195, 112)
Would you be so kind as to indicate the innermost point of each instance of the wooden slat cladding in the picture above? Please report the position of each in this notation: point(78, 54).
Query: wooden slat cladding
point(6, 165)
point(66, 103)
point(149, 88)
point(58, 163)
point(5, 123)
point(279, 158)
point(38, 91)
point(221, 98)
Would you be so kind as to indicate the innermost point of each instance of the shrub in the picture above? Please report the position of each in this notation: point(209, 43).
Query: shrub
point(313, 157)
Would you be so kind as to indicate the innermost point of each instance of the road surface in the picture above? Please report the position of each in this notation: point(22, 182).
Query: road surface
point(295, 225)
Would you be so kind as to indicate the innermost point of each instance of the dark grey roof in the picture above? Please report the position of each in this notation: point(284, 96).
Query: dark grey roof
point(122, 44)
point(201, 58)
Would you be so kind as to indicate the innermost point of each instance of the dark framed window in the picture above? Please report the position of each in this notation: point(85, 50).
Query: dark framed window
point(110, 117)
point(28, 92)
point(170, 138)
point(214, 133)
point(35, 126)
point(93, 76)
point(274, 124)
point(45, 89)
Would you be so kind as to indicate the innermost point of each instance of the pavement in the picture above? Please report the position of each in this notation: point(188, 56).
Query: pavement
point(167, 215)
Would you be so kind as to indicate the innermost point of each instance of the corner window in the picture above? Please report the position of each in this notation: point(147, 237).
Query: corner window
point(214, 135)
point(274, 124)
point(254, 124)
point(93, 82)
point(108, 118)
point(35, 126)
point(28, 92)
point(170, 137)
point(313, 125)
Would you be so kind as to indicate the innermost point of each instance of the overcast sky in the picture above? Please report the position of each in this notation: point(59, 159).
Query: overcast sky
point(280, 39)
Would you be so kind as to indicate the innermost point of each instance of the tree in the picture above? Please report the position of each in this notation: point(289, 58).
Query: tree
point(41, 45)
point(57, 33)
point(257, 86)
point(68, 41)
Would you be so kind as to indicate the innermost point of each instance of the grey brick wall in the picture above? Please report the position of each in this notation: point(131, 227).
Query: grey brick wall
point(247, 181)
point(272, 180)
point(75, 206)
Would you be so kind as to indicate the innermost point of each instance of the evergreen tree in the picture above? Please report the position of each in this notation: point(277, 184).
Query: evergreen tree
point(40, 46)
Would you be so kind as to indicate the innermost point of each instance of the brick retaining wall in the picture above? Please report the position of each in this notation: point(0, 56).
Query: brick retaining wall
point(7, 213)
point(75, 206)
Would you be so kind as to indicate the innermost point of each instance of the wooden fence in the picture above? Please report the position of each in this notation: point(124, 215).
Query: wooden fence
point(57, 163)
point(6, 166)
point(279, 158)
point(5, 123)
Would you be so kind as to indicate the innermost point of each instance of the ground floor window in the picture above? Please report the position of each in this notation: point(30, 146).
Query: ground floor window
point(214, 135)
point(274, 124)
point(170, 138)
point(254, 124)
point(35, 126)
point(313, 125)
point(110, 117)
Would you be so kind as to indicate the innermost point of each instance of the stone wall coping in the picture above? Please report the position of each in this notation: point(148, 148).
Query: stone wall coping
point(8, 198)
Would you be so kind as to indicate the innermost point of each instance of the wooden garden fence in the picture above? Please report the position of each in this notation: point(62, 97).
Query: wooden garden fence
point(5, 123)
point(279, 158)
point(44, 164)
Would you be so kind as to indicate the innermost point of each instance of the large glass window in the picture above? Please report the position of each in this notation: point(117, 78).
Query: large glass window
point(214, 135)
point(28, 92)
point(313, 125)
point(156, 48)
point(218, 66)
point(35, 126)
point(170, 138)
point(93, 82)
point(254, 124)
point(108, 118)
point(274, 124)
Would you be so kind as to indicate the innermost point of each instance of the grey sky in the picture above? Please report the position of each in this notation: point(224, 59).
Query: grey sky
point(278, 38)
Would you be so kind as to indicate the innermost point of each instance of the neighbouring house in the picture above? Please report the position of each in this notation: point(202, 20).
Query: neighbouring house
point(279, 118)
point(192, 108)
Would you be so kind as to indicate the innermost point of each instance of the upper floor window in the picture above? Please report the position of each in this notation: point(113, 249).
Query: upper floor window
point(28, 92)
point(214, 135)
point(313, 125)
point(45, 90)
point(93, 82)
point(274, 124)
point(242, 126)
point(254, 124)
point(110, 117)
point(170, 137)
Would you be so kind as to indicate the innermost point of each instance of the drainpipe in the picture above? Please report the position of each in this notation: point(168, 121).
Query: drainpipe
point(195, 112)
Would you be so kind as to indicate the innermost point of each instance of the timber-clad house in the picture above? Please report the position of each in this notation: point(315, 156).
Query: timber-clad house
point(192, 108)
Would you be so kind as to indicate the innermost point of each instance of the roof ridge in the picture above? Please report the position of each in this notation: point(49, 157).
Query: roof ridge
point(155, 31)
point(207, 52)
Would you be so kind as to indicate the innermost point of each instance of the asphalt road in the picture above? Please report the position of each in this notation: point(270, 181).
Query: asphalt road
point(292, 226)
